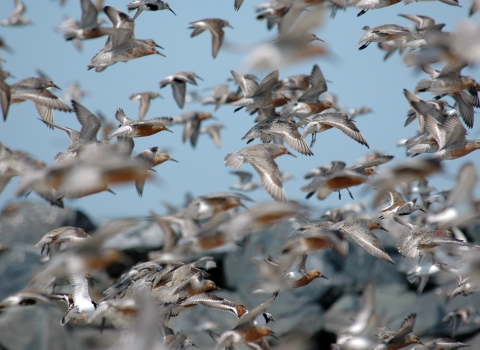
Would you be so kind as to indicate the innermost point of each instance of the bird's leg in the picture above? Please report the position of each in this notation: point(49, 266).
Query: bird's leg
point(314, 139)
point(350, 193)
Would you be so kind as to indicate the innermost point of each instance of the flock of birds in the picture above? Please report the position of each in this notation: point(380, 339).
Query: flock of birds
point(143, 300)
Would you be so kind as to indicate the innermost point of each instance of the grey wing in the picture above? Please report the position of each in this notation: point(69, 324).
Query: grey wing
point(144, 106)
point(454, 130)
point(245, 177)
point(270, 176)
point(267, 84)
point(347, 127)
point(122, 117)
point(370, 243)
point(90, 123)
point(179, 90)
point(89, 14)
point(294, 140)
point(45, 113)
point(318, 85)
point(217, 41)
point(405, 328)
point(44, 98)
point(465, 108)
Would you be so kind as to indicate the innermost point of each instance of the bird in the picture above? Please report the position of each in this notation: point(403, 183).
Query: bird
point(245, 181)
point(284, 127)
point(36, 90)
point(139, 128)
point(144, 98)
point(179, 81)
point(192, 125)
point(16, 17)
point(398, 339)
point(121, 46)
point(215, 26)
point(261, 157)
point(398, 206)
point(148, 5)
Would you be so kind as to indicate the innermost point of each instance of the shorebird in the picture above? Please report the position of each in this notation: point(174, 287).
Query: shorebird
point(259, 96)
point(307, 103)
point(450, 137)
point(204, 207)
point(360, 230)
point(68, 235)
point(139, 128)
point(315, 235)
point(16, 17)
point(465, 286)
point(261, 157)
point(214, 25)
point(275, 278)
point(179, 85)
point(312, 237)
point(407, 172)
point(324, 121)
point(284, 127)
point(460, 207)
point(245, 330)
point(336, 177)
point(24, 298)
point(392, 340)
point(192, 123)
point(422, 271)
point(245, 181)
point(449, 81)
point(213, 130)
point(151, 157)
point(88, 133)
point(36, 90)
point(210, 300)
point(148, 5)
point(144, 98)
point(385, 32)
point(87, 28)
point(121, 46)
point(458, 316)
point(422, 239)
point(441, 344)
point(398, 206)
point(121, 312)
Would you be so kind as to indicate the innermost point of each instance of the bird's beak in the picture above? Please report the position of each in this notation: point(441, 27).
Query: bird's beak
point(422, 210)
point(192, 343)
point(167, 129)
point(175, 15)
point(199, 78)
point(159, 53)
point(55, 86)
point(109, 190)
point(173, 160)
point(159, 46)
point(230, 26)
point(383, 228)
point(293, 155)
point(323, 276)
point(274, 336)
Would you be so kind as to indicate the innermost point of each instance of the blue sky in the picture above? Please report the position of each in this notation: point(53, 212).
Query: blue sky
point(357, 77)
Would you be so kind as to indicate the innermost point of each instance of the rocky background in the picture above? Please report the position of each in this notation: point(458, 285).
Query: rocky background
point(316, 312)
